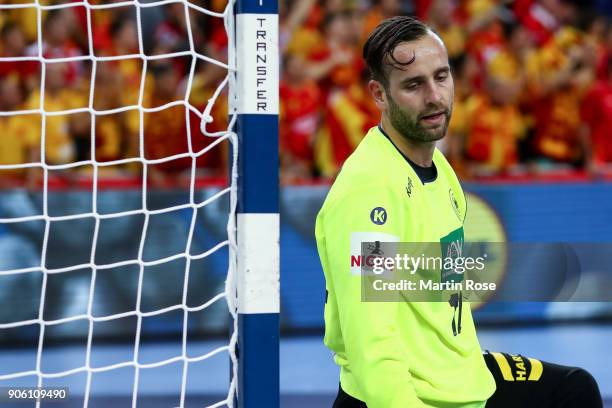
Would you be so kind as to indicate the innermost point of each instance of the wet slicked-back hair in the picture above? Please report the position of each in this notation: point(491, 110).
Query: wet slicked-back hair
point(378, 49)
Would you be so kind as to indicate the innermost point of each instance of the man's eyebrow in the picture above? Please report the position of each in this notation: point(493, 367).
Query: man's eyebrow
point(413, 79)
point(442, 70)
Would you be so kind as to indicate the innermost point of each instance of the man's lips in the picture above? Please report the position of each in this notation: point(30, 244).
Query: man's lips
point(434, 117)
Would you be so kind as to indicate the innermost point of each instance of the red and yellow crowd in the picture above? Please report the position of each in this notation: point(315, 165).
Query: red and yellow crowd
point(533, 85)
point(104, 122)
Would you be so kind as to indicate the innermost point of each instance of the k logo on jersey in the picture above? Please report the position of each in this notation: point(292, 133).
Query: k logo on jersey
point(378, 216)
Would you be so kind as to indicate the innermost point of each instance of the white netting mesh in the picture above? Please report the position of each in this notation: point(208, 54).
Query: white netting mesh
point(194, 56)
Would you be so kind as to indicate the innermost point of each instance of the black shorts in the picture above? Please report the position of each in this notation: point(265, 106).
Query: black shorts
point(526, 382)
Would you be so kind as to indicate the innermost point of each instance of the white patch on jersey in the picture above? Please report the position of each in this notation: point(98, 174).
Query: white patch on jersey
point(357, 260)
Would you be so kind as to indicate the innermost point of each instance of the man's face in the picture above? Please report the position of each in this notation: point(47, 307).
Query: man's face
point(418, 100)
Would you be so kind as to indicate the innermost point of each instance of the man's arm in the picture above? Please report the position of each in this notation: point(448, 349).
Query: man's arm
point(373, 344)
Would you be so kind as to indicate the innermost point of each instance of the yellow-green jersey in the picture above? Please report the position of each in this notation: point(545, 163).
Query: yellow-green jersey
point(396, 354)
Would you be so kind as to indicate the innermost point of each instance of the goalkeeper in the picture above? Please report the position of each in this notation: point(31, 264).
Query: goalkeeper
point(397, 186)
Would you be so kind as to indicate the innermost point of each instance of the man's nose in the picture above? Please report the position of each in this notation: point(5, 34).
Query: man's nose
point(433, 93)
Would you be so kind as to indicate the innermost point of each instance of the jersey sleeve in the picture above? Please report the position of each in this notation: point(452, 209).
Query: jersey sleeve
point(372, 341)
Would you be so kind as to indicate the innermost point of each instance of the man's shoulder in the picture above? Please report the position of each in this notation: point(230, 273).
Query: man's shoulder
point(375, 169)
point(442, 165)
point(365, 173)
point(452, 180)
point(368, 162)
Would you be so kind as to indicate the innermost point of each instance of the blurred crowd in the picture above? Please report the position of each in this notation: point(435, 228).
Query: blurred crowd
point(533, 86)
point(533, 83)
point(103, 122)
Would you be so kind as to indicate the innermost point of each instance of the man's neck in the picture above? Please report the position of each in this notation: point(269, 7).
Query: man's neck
point(420, 153)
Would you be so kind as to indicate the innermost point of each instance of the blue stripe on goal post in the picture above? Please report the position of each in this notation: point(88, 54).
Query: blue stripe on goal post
point(258, 280)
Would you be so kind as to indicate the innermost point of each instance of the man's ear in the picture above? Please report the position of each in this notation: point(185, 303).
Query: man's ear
point(377, 90)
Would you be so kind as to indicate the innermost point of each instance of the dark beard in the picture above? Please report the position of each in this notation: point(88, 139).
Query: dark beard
point(413, 130)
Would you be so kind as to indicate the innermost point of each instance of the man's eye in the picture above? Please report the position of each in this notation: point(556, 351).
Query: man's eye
point(412, 85)
point(442, 77)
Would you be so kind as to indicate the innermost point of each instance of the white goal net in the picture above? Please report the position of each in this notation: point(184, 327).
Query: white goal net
point(98, 93)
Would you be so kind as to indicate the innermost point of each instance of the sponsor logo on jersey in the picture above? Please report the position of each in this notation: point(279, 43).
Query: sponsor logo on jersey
point(452, 247)
point(378, 216)
point(373, 249)
point(409, 187)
